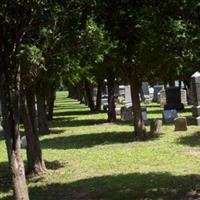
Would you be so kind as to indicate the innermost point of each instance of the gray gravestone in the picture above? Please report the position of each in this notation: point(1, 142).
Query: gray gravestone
point(145, 88)
point(184, 97)
point(121, 90)
point(128, 99)
point(196, 97)
point(155, 126)
point(180, 124)
point(162, 98)
point(157, 89)
point(173, 99)
point(126, 113)
point(169, 115)
point(144, 117)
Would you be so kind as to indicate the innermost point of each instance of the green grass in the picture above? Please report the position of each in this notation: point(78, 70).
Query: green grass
point(91, 159)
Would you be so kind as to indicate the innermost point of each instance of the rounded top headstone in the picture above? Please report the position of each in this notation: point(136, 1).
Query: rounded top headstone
point(196, 74)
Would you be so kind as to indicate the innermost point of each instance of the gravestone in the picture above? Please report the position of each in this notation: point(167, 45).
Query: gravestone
point(169, 115)
point(121, 90)
point(173, 99)
point(162, 98)
point(145, 88)
point(196, 98)
point(104, 101)
point(184, 97)
point(126, 113)
point(180, 124)
point(23, 142)
point(128, 99)
point(144, 117)
point(155, 126)
point(157, 89)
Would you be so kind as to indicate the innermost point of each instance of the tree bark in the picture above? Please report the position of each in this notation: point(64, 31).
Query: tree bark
point(88, 90)
point(138, 121)
point(36, 164)
point(11, 120)
point(99, 95)
point(111, 99)
point(51, 100)
point(41, 108)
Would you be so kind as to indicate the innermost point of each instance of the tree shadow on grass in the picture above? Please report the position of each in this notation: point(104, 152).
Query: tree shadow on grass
point(76, 123)
point(55, 164)
point(90, 140)
point(191, 140)
point(5, 177)
point(78, 112)
point(136, 186)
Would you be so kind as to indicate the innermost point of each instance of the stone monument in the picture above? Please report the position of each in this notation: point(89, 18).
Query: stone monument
point(196, 98)
point(173, 99)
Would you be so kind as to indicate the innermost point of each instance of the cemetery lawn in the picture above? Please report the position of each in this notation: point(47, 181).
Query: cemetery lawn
point(88, 158)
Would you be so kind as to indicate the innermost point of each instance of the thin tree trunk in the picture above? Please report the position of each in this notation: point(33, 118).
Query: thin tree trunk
point(111, 99)
point(99, 95)
point(11, 120)
point(138, 121)
point(41, 108)
point(89, 95)
point(36, 164)
point(51, 100)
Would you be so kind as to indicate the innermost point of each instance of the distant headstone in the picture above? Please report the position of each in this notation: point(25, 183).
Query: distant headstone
point(169, 115)
point(180, 124)
point(144, 117)
point(145, 88)
point(128, 99)
point(162, 98)
point(121, 90)
point(126, 113)
point(23, 142)
point(173, 99)
point(157, 89)
point(184, 97)
point(196, 97)
point(155, 126)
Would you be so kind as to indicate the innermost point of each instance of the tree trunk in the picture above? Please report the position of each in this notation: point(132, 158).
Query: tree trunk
point(41, 108)
point(111, 99)
point(88, 90)
point(51, 100)
point(138, 121)
point(99, 94)
point(36, 164)
point(11, 120)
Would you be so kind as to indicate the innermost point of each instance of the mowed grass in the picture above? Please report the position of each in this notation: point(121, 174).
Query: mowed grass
point(88, 158)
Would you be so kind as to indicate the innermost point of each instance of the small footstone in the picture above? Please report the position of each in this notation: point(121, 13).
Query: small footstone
point(156, 125)
point(180, 124)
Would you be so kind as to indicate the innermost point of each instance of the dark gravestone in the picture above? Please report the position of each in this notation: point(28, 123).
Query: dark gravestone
point(173, 99)
point(196, 98)
point(157, 89)
point(169, 115)
point(145, 88)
